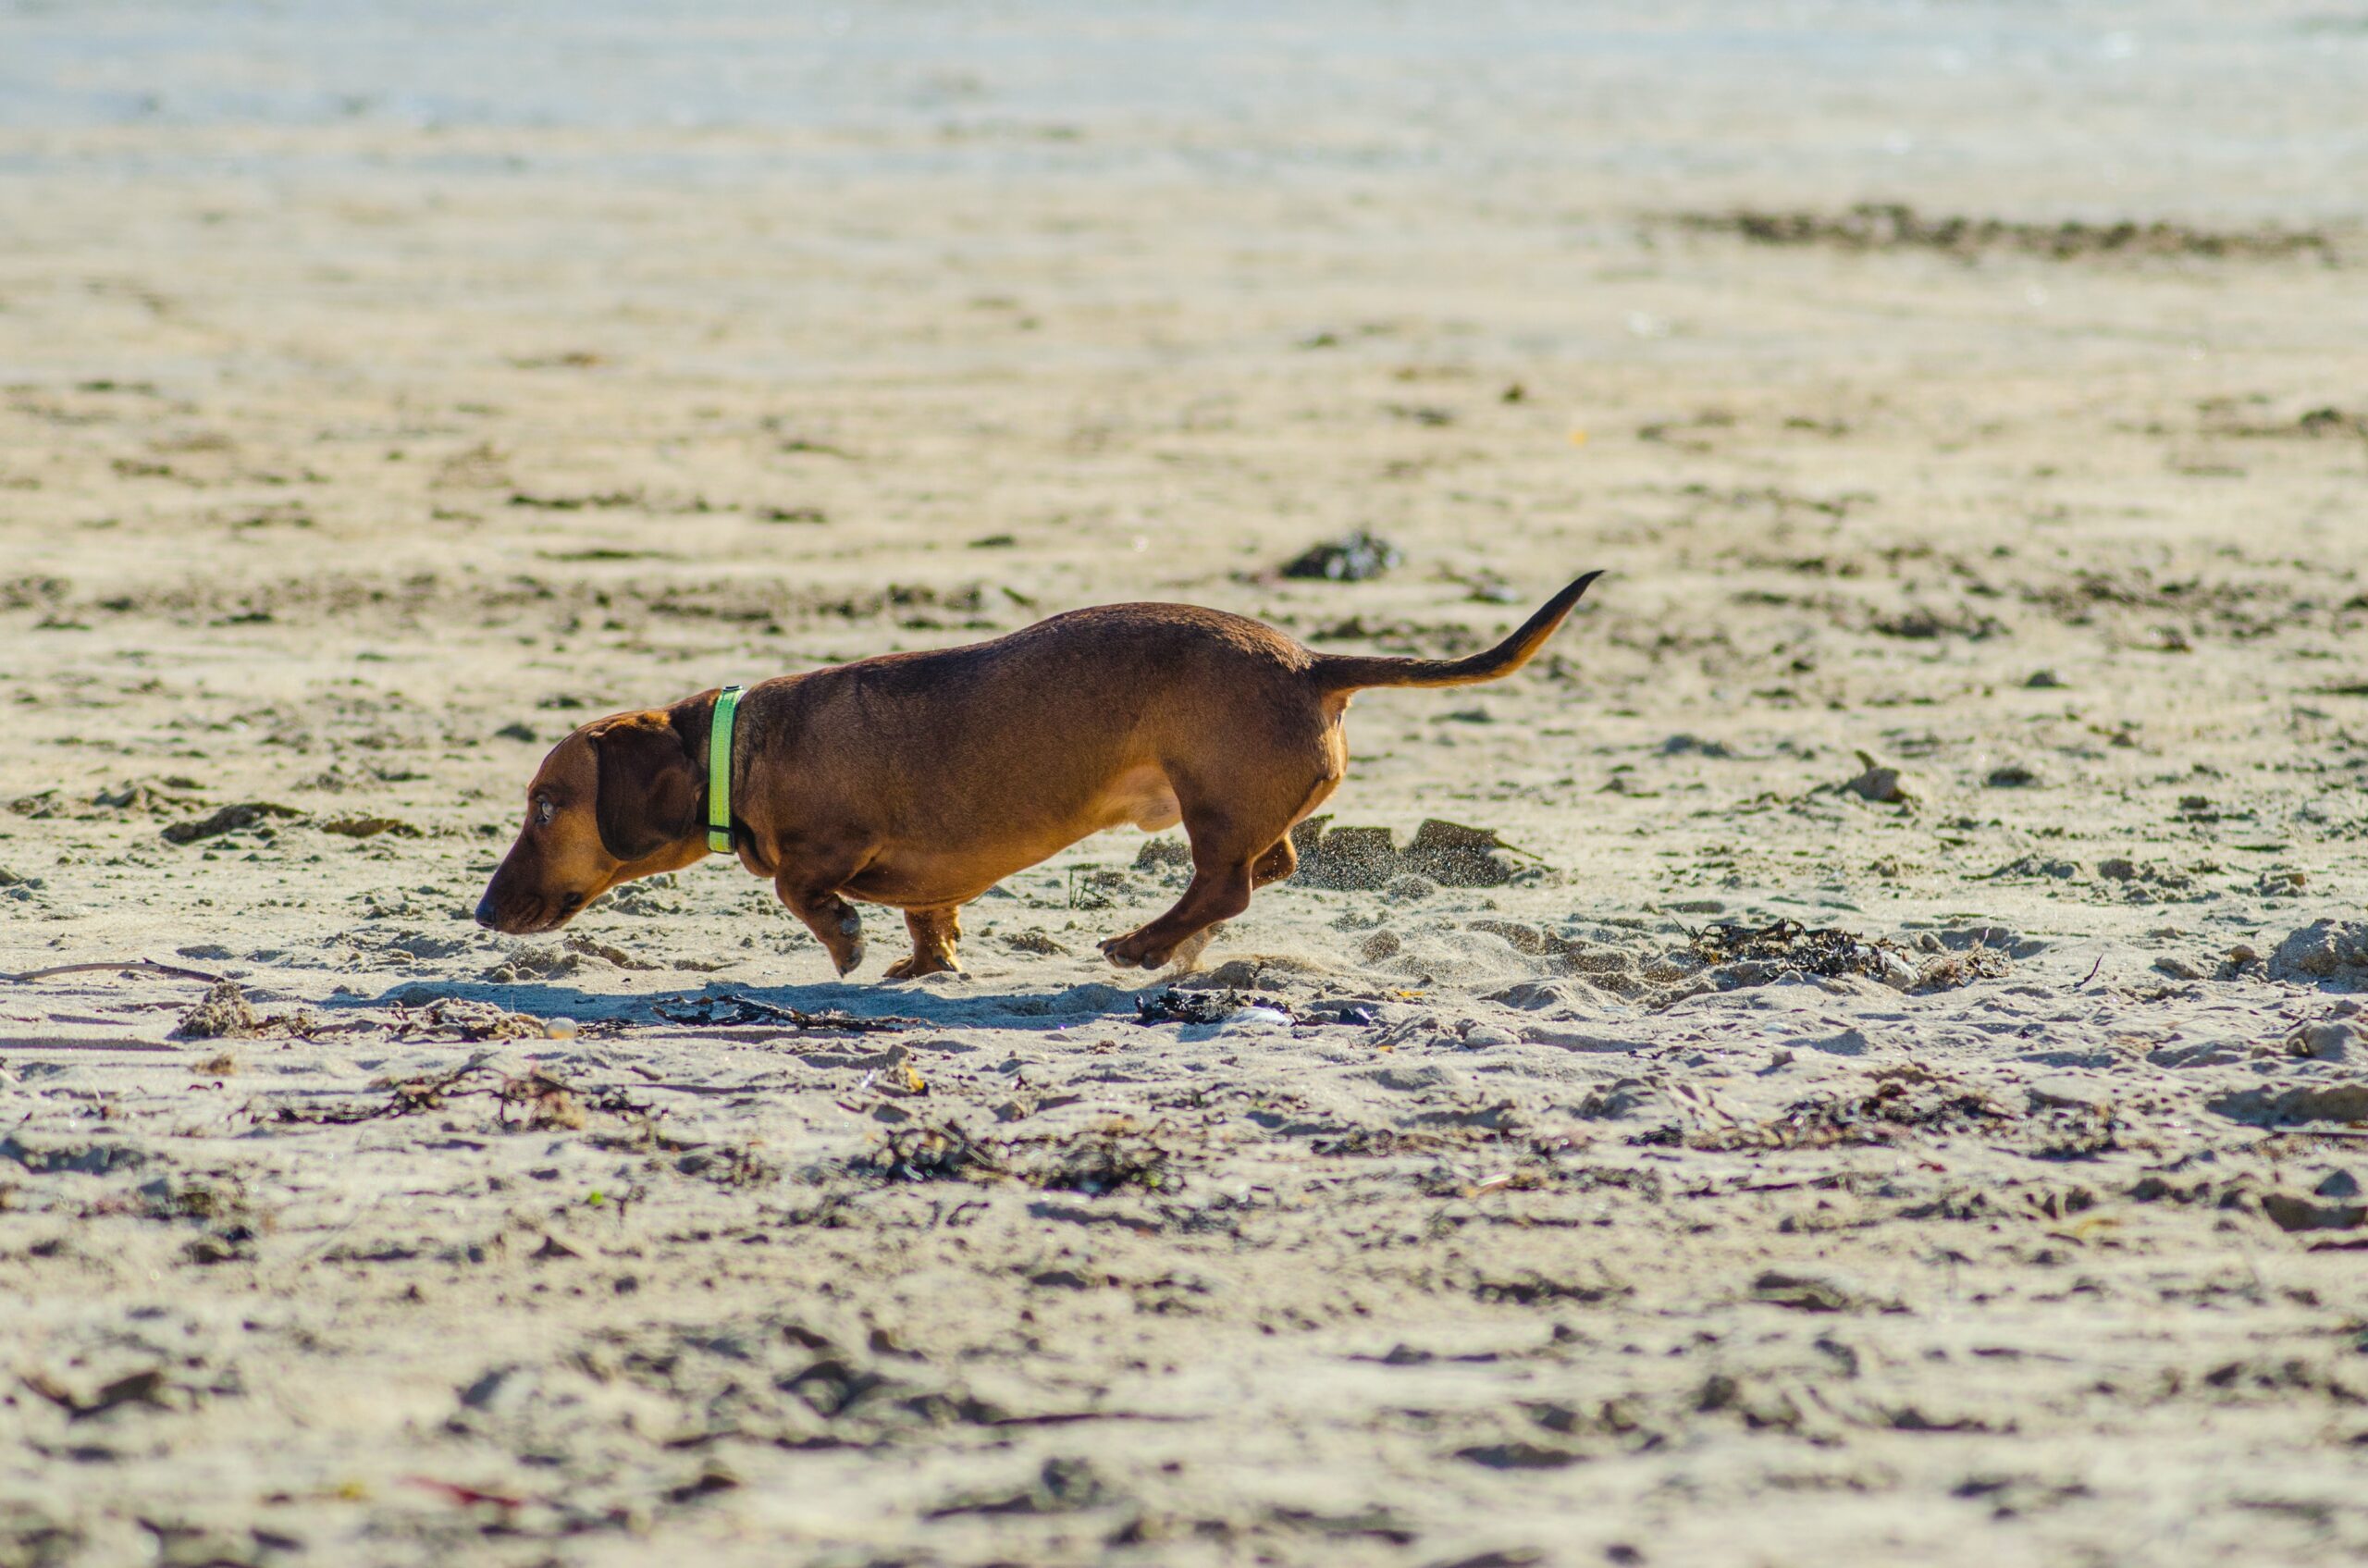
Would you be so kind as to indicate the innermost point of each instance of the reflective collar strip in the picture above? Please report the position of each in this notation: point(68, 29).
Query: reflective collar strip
point(719, 770)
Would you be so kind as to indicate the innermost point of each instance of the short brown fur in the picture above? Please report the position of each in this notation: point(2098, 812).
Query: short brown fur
point(921, 780)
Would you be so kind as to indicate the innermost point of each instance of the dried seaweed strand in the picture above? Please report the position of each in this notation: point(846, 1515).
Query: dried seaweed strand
point(124, 966)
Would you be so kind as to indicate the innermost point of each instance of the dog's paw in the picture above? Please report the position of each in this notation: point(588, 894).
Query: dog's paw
point(850, 927)
point(1110, 950)
point(914, 967)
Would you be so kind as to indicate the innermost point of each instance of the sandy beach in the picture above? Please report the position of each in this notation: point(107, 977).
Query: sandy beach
point(1899, 1095)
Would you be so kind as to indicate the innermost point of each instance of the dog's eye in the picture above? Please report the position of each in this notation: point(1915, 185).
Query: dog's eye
point(543, 810)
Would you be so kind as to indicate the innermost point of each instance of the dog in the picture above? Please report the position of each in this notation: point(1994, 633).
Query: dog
point(921, 780)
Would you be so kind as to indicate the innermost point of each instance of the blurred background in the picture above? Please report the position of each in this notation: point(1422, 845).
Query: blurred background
point(2080, 107)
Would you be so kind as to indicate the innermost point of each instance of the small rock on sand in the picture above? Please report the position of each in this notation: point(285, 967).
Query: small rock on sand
point(2329, 1039)
point(2291, 1213)
point(1352, 558)
point(1875, 782)
point(222, 1015)
point(2325, 952)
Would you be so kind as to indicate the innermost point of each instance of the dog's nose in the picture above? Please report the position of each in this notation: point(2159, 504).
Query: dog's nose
point(484, 911)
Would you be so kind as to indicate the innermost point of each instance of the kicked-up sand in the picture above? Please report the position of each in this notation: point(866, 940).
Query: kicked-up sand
point(1899, 1098)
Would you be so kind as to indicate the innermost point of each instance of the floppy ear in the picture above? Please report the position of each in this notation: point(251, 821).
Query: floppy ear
point(648, 798)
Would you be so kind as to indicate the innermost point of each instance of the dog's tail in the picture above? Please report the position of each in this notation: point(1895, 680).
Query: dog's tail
point(1344, 672)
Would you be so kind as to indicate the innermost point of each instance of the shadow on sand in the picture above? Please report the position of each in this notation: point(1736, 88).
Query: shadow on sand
point(948, 1008)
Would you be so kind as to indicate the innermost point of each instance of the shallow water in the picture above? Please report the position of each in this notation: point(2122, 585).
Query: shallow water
point(2240, 109)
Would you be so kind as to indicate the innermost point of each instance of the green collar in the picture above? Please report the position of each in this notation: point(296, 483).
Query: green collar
point(719, 770)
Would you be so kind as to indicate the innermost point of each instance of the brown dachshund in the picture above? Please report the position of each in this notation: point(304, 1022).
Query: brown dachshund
point(921, 780)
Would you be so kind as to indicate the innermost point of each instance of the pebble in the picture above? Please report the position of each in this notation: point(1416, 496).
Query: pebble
point(2290, 1212)
point(1877, 783)
point(1352, 558)
point(2328, 1041)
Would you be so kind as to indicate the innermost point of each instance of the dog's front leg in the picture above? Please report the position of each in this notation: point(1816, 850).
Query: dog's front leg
point(831, 918)
point(934, 933)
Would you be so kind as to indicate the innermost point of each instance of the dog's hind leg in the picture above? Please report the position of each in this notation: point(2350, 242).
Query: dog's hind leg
point(935, 932)
point(1218, 891)
point(1229, 860)
point(1280, 861)
point(1238, 803)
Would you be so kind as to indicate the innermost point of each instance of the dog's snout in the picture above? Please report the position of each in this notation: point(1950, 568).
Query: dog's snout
point(484, 911)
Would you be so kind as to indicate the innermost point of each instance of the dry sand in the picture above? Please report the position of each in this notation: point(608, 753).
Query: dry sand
point(347, 459)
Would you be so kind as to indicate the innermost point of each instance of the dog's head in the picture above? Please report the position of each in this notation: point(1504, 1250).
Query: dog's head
point(622, 797)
